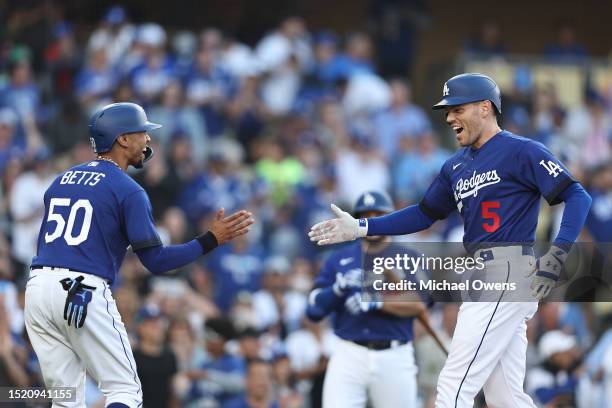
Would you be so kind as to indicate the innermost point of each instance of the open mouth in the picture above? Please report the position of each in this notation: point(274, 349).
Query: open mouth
point(457, 129)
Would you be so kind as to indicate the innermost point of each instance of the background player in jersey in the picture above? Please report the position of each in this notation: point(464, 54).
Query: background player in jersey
point(495, 181)
point(374, 359)
point(93, 212)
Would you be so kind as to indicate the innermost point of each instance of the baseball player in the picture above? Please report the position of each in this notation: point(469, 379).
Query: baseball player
point(495, 181)
point(93, 212)
point(374, 358)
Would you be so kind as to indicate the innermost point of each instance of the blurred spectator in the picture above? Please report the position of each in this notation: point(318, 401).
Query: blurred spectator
point(248, 113)
point(566, 47)
point(235, 267)
point(487, 42)
point(402, 119)
point(178, 118)
point(548, 118)
point(360, 168)
point(27, 207)
point(309, 349)
point(220, 185)
point(184, 45)
point(416, 166)
point(63, 58)
point(96, 81)
point(279, 170)
point(114, 33)
point(289, 40)
point(67, 128)
point(554, 381)
point(284, 380)
point(12, 353)
point(156, 363)
point(161, 184)
point(10, 145)
point(207, 87)
point(259, 392)
point(277, 307)
point(249, 343)
point(21, 93)
point(157, 69)
point(283, 55)
point(220, 378)
point(588, 129)
point(183, 341)
point(237, 58)
point(397, 25)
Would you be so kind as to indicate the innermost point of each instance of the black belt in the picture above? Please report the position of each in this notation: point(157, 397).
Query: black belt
point(379, 344)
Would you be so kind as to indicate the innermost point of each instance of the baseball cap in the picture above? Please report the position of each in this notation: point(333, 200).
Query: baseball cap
point(555, 342)
point(115, 15)
point(147, 312)
point(278, 264)
point(219, 327)
point(151, 34)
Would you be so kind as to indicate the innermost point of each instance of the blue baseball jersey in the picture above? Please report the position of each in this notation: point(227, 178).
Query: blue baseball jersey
point(497, 189)
point(93, 213)
point(372, 325)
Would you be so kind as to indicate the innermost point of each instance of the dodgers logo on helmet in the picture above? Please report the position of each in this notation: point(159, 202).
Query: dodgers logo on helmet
point(116, 119)
point(467, 88)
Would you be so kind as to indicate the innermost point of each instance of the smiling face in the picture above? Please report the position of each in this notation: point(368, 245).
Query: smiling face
point(136, 146)
point(468, 121)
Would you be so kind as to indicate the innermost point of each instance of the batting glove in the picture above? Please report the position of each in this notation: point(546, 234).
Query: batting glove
point(345, 282)
point(77, 299)
point(547, 270)
point(341, 229)
point(356, 305)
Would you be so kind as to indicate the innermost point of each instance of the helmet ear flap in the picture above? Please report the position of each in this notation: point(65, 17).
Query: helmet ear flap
point(149, 152)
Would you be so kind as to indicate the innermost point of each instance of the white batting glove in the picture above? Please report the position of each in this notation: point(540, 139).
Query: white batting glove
point(547, 270)
point(341, 229)
point(355, 305)
point(347, 282)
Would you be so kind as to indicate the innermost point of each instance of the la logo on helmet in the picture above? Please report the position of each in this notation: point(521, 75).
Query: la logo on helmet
point(445, 90)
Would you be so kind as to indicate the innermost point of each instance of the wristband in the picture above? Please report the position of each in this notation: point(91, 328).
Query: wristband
point(208, 242)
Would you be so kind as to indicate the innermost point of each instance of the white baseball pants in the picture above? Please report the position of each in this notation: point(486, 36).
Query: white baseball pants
point(355, 374)
point(489, 345)
point(101, 347)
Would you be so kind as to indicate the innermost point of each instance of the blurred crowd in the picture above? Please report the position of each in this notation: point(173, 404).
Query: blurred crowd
point(283, 128)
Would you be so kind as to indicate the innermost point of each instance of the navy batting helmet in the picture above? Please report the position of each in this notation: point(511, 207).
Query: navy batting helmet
point(471, 87)
point(116, 119)
point(373, 201)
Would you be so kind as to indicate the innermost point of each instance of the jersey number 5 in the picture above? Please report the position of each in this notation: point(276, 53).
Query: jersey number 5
point(67, 230)
point(487, 214)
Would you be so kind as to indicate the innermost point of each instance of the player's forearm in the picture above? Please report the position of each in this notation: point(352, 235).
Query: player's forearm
point(321, 302)
point(161, 258)
point(405, 221)
point(577, 205)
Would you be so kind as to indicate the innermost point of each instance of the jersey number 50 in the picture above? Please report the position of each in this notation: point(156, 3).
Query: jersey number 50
point(67, 230)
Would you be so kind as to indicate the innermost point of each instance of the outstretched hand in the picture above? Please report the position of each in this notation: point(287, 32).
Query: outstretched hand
point(341, 229)
point(227, 228)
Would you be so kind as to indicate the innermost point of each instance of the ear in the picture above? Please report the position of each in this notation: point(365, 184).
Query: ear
point(485, 108)
point(122, 140)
